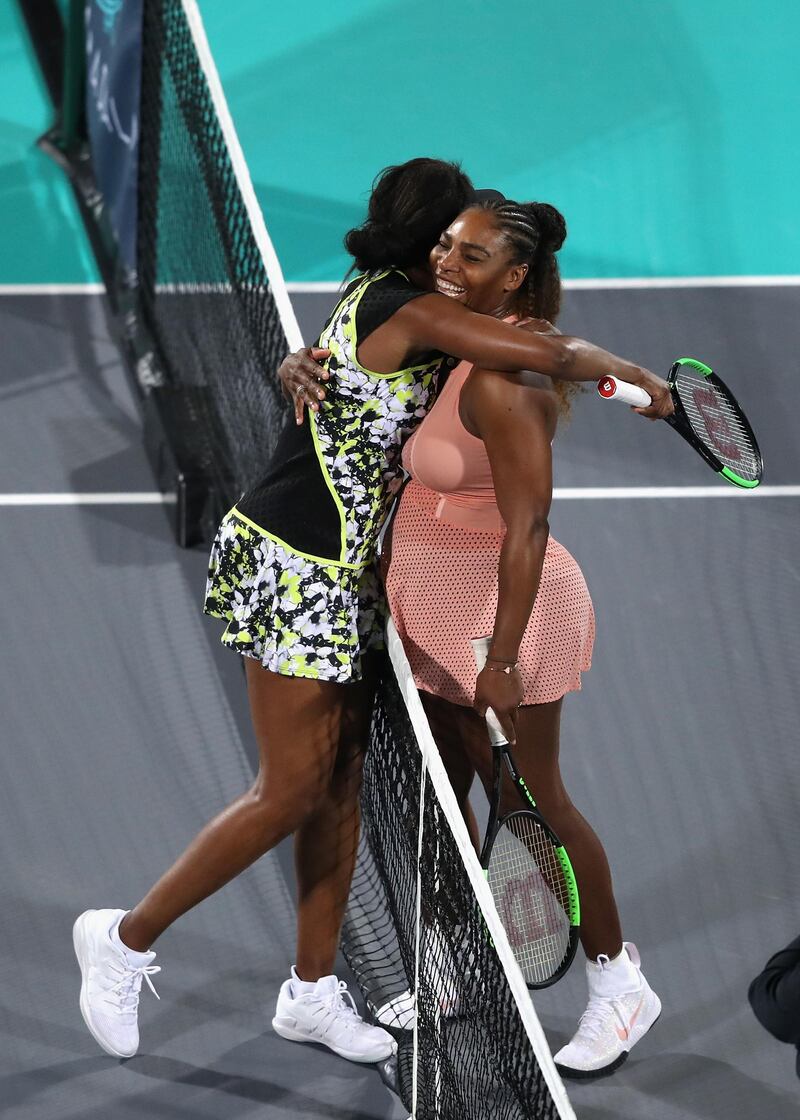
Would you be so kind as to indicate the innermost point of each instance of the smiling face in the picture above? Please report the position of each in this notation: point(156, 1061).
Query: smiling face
point(472, 263)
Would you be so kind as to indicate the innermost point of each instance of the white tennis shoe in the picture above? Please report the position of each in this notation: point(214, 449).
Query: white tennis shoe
point(326, 1013)
point(111, 981)
point(399, 1012)
point(441, 975)
point(622, 1008)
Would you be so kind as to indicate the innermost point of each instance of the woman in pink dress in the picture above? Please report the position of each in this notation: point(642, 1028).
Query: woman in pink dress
point(474, 513)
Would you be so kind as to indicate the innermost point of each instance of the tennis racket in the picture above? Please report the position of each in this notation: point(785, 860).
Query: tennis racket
point(528, 870)
point(708, 417)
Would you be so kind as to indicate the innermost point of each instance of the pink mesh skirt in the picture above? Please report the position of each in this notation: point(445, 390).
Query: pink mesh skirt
point(442, 592)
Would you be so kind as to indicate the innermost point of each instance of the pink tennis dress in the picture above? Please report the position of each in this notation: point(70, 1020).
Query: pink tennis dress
point(442, 583)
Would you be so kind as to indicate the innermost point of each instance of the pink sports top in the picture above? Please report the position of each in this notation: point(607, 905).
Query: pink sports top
point(443, 456)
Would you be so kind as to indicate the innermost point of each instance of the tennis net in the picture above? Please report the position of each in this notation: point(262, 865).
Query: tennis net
point(421, 934)
point(210, 289)
point(424, 939)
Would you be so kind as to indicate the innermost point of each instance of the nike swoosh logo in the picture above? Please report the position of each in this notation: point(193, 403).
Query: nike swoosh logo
point(624, 1033)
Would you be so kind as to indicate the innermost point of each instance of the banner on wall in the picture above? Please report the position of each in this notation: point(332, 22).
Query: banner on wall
point(113, 79)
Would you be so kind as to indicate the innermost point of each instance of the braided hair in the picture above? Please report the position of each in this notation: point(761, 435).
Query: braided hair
point(533, 233)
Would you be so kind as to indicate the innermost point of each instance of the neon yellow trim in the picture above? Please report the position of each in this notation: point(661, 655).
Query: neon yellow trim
point(354, 359)
point(362, 276)
point(329, 483)
point(325, 560)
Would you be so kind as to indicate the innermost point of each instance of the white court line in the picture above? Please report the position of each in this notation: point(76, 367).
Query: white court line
point(310, 286)
point(602, 283)
point(685, 282)
point(569, 493)
point(51, 289)
point(111, 498)
point(721, 490)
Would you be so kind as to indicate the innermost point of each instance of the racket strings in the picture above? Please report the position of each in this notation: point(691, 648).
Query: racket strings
point(532, 896)
point(718, 422)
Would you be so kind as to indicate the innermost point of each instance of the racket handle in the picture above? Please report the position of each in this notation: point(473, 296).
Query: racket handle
point(497, 736)
point(615, 390)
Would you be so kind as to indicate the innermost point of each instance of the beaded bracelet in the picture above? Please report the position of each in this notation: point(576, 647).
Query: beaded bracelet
point(508, 668)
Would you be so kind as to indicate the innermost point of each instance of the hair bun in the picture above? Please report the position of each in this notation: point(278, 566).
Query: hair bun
point(551, 224)
point(373, 244)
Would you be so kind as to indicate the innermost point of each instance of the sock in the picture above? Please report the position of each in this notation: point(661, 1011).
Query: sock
point(615, 976)
point(607, 961)
point(301, 987)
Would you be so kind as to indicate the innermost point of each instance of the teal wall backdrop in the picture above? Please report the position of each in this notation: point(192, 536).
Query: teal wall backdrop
point(664, 129)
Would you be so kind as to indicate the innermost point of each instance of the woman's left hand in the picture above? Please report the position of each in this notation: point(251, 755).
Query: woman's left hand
point(300, 375)
point(503, 693)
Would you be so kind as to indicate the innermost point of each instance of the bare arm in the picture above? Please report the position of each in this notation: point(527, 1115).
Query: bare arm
point(516, 419)
point(438, 323)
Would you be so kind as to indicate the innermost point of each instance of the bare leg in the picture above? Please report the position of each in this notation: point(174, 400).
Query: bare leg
point(463, 743)
point(326, 843)
point(536, 754)
point(297, 724)
point(452, 728)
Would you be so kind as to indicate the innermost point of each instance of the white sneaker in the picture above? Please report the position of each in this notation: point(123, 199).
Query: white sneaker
point(111, 981)
point(399, 1012)
point(622, 1009)
point(326, 1013)
point(441, 974)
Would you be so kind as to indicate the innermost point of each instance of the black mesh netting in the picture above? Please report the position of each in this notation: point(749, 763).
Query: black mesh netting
point(474, 1058)
point(205, 296)
point(204, 290)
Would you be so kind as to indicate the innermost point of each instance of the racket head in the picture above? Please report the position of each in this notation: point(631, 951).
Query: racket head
point(708, 415)
point(534, 890)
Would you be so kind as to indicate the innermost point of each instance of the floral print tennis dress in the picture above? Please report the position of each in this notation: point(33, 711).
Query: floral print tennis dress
point(292, 569)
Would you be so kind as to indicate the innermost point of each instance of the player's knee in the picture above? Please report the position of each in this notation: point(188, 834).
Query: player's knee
point(287, 808)
point(558, 811)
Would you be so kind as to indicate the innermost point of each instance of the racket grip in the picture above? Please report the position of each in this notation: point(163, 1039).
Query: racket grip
point(497, 736)
point(612, 389)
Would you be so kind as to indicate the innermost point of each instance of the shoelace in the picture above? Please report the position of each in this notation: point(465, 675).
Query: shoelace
point(339, 1004)
point(126, 989)
point(335, 1001)
point(595, 1016)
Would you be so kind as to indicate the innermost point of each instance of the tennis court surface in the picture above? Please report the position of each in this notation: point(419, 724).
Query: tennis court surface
point(126, 724)
point(125, 728)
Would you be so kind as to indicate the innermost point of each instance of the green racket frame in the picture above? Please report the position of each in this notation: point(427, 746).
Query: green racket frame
point(680, 422)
